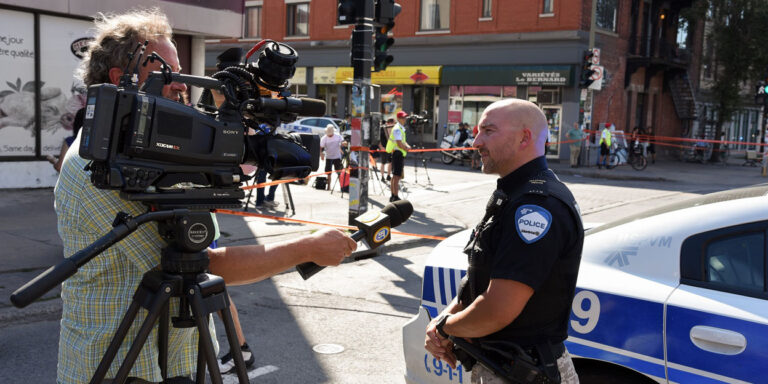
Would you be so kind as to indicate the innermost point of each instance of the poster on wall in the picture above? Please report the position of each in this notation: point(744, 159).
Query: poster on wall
point(17, 84)
point(62, 46)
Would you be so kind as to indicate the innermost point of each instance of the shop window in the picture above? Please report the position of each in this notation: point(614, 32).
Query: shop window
point(547, 7)
point(486, 9)
point(607, 12)
point(17, 58)
point(297, 19)
point(252, 22)
point(435, 14)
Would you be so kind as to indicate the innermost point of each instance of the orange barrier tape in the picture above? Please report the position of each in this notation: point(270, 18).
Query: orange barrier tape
point(657, 139)
point(288, 219)
point(278, 182)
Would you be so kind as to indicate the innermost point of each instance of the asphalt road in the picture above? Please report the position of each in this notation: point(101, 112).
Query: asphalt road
point(356, 309)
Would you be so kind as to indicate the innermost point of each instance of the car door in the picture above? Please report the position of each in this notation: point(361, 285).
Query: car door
point(717, 319)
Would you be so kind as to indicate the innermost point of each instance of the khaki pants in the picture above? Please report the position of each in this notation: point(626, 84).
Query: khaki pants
point(575, 152)
point(483, 375)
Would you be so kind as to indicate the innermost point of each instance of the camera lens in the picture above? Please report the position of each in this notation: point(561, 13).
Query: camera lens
point(277, 64)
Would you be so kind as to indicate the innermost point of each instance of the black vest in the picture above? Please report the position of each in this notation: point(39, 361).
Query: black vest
point(545, 316)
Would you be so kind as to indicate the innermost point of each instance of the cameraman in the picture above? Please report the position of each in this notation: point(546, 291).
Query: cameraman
point(95, 299)
point(398, 147)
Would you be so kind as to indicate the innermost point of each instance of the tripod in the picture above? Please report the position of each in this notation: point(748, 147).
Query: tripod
point(416, 159)
point(182, 275)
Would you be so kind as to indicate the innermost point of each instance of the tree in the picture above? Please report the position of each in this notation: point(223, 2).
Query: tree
point(739, 33)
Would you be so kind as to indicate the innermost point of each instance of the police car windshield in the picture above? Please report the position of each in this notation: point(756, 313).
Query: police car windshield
point(741, 193)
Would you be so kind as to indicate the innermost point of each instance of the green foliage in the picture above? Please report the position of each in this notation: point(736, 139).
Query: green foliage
point(739, 33)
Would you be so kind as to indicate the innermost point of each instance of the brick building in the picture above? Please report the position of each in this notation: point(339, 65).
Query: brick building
point(40, 45)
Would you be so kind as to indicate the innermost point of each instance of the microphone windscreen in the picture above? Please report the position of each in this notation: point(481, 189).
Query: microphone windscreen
point(312, 107)
point(398, 212)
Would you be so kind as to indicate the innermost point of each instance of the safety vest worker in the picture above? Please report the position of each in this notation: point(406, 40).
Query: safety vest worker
point(606, 136)
point(392, 141)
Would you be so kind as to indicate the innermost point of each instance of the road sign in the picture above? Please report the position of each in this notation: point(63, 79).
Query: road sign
point(595, 56)
point(597, 84)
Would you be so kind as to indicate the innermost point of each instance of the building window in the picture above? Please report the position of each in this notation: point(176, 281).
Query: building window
point(607, 12)
point(435, 14)
point(297, 19)
point(252, 22)
point(547, 7)
point(486, 8)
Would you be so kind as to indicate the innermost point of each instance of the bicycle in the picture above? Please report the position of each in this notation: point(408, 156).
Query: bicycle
point(635, 158)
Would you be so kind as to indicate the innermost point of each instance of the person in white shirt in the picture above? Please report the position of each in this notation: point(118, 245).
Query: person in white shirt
point(330, 150)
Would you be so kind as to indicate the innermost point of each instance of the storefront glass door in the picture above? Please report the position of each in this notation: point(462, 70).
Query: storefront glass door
point(554, 122)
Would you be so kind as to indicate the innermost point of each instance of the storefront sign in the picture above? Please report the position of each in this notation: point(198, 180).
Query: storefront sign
point(324, 75)
point(499, 75)
point(541, 77)
point(395, 75)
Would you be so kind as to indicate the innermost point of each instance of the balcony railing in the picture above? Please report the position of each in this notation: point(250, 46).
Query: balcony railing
point(660, 49)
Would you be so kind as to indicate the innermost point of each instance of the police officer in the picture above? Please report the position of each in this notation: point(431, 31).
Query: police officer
point(523, 256)
point(398, 147)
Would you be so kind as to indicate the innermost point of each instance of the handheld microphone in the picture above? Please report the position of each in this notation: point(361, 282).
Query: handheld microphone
point(374, 228)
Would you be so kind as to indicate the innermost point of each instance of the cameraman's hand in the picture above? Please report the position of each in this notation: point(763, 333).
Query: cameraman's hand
point(330, 246)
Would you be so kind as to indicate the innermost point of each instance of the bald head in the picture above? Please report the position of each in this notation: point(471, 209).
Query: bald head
point(512, 133)
point(523, 114)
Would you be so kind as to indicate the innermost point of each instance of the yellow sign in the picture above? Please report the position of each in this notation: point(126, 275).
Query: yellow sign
point(324, 75)
point(395, 75)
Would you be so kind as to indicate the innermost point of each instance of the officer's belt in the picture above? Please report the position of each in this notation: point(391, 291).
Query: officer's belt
point(516, 365)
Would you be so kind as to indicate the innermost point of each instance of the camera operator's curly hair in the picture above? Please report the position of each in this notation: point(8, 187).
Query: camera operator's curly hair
point(116, 37)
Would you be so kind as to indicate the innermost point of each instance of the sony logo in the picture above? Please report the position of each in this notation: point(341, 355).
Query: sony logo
point(230, 132)
point(168, 146)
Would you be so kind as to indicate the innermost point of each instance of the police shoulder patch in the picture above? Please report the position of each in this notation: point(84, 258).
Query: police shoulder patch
point(532, 222)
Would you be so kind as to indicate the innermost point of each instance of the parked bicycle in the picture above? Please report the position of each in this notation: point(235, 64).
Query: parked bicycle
point(622, 155)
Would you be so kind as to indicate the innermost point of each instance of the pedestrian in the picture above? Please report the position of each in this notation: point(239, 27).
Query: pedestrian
point(651, 145)
point(95, 299)
point(605, 146)
point(330, 147)
point(398, 147)
point(523, 256)
point(385, 159)
point(576, 136)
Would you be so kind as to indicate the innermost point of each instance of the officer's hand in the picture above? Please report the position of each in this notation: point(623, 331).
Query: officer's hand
point(330, 246)
point(439, 347)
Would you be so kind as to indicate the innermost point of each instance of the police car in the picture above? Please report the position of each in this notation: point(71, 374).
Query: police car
point(315, 125)
point(673, 295)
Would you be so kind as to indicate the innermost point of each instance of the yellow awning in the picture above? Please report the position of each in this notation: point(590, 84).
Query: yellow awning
point(395, 75)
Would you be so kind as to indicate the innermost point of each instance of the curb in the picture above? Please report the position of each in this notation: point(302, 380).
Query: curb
point(608, 174)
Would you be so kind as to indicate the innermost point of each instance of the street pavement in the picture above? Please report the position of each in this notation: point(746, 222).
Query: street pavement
point(29, 236)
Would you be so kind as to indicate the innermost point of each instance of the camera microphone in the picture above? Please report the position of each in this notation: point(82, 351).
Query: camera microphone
point(374, 228)
point(302, 106)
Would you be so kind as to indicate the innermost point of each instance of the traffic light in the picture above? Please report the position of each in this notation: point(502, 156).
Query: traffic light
point(347, 12)
point(382, 42)
point(586, 69)
point(386, 11)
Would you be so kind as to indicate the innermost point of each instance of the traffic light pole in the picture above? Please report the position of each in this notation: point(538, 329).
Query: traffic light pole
point(362, 60)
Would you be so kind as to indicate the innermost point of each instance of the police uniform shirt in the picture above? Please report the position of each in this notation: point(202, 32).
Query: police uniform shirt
point(533, 232)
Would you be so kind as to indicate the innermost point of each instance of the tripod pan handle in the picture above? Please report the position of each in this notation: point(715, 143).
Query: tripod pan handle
point(43, 283)
point(307, 270)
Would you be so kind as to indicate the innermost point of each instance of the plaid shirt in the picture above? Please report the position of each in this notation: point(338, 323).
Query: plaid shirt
point(98, 295)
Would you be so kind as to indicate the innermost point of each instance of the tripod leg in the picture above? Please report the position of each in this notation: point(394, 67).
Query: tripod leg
point(290, 198)
point(114, 344)
point(229, 327)
point(201, 318)
point(162, 341)
point(160, 298)
point(200, 375)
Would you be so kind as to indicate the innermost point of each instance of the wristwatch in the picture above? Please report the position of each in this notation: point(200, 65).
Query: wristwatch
point(441, 323)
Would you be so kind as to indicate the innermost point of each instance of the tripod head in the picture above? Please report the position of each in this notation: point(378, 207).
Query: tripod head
point(187, 232)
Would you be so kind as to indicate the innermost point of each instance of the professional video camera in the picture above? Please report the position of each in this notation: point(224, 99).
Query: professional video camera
point(165, 153)
point(417, 121)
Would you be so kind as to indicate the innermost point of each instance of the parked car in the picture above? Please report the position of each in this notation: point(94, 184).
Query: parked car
point(673, 295)
point(314, 125)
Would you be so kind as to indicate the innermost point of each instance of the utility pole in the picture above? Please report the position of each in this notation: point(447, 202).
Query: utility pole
point(365, 15)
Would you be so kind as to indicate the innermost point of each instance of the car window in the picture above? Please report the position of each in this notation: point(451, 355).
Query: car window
point(737, 261)
point(323, 122)
point(311, 122)
point(729, 259)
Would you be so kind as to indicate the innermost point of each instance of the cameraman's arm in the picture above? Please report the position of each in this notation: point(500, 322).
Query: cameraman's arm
point(251, 263)
point(403, 145)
